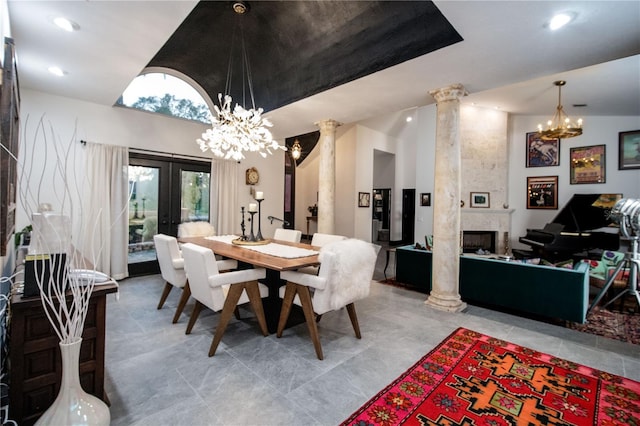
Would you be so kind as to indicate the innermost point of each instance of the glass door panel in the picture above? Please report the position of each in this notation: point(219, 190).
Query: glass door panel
point(144, 185)
point(164, 193)
point(194, 196)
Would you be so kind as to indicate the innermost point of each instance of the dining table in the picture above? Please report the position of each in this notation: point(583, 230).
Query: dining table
point(273, 255)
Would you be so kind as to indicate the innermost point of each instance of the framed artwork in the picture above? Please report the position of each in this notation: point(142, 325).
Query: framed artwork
point(425, 199)
point(542, 192)
point(542, 153)
point(480, 199)
point(629, 150)
point(364, 199)
point(588, 164)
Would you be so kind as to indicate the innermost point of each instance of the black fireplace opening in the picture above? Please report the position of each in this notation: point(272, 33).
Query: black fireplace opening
point(472, 241)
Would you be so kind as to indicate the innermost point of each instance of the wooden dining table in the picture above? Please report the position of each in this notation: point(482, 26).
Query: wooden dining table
point(247, 257)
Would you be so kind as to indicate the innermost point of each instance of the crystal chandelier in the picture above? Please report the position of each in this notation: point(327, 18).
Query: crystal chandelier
point(235, 131)
point(560, 126)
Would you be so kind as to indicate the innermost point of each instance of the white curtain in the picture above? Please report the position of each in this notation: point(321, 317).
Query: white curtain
point(105, 204)
point(224, 196)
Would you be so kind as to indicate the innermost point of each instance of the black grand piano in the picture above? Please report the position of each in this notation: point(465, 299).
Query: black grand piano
point(573, 230)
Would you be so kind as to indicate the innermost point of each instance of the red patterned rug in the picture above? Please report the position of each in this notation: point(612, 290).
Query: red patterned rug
point(473, 379)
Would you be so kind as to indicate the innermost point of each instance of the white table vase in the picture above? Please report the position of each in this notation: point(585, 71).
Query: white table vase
point(74, 406)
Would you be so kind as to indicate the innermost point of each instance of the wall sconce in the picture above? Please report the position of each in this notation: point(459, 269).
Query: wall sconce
point(296, 150)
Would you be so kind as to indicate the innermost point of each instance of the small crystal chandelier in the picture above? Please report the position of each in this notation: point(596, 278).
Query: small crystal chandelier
point(234, 131)
point(560, 126)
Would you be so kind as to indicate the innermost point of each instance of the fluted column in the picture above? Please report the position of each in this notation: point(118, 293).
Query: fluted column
point(445, 292)
point(327, 176)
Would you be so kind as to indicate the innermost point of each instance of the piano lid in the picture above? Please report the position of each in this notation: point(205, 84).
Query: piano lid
point(585, 212)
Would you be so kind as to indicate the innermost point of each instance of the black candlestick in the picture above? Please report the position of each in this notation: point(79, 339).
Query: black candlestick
point(251, 236)
point(244, 237)
point(259, 236)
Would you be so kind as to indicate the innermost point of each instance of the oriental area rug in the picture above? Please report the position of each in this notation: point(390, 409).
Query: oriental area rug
point(473, 379)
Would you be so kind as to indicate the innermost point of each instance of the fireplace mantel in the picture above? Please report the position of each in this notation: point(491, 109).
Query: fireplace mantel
point(487, 211)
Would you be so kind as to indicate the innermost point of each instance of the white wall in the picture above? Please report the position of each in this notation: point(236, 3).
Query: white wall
point(78, 120)
point(425, 162)
point(415, 161)
point(346, 181)
point(597, 131)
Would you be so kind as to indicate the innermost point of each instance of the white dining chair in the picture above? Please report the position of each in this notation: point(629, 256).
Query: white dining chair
point(320, 240)
point(196, 229)
point(289, 235)
point(221, 291)
point(346, 270)
point(172, 270)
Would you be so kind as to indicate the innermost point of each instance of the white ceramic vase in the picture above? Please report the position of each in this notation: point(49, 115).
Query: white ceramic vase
point(74, 406)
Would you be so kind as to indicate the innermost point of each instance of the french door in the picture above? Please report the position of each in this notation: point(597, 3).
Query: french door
point(164, 193)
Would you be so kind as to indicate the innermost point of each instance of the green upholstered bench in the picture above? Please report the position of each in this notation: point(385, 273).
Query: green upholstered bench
point(547, 291)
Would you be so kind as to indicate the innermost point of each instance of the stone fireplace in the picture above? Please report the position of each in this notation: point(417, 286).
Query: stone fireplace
point(491, 221)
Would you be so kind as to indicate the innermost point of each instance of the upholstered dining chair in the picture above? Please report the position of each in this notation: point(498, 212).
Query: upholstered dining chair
point(221, 291)
point(196, 229)
point(346, 270)
point(290, 235)
point(320, 240)
point(172, 270)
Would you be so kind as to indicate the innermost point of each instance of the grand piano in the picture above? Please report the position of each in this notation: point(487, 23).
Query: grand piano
point(578, 227)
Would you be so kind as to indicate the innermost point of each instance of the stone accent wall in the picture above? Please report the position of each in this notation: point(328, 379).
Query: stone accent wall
point(484, 152)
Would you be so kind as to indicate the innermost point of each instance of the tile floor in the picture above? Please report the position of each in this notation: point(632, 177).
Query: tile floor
point(157, 375)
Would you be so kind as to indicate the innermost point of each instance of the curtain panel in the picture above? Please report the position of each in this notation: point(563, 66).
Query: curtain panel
point(225, 194)
point(106, 204)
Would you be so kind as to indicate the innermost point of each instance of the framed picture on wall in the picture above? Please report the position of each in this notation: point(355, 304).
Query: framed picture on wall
point(542, 192)
point(364, 199)
point(425, 199)
point(587, 164)
point(480, 199)
point(542, 153)
point(629, 150)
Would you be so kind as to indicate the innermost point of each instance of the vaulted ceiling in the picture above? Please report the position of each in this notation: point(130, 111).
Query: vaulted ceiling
point(346, 60)
point(297, 49)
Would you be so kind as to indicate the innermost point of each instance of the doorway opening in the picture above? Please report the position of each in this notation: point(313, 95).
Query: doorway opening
point(165, 192)
point(381, 214)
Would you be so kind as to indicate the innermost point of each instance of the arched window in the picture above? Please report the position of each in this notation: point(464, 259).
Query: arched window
point(168, 92)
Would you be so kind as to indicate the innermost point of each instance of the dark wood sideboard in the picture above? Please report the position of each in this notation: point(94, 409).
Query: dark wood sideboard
point(34, 355)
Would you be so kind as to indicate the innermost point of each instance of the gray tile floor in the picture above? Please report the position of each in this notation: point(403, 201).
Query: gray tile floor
point(157, 375)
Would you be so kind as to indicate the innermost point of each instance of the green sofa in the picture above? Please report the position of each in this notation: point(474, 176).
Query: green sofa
point(547, 291)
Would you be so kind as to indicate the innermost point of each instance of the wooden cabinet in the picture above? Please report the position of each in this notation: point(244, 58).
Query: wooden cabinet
point(34, 355)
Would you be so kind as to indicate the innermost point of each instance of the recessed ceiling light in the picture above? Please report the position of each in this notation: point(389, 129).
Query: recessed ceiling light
point(66, 24)
point(409, 119)
point(559, 21)
point(56, 71)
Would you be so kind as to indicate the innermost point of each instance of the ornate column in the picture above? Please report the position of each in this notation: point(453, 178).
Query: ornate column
point(445, 294)
point(327, 176)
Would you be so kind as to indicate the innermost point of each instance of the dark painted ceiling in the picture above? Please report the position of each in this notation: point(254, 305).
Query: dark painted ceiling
point(298, 49)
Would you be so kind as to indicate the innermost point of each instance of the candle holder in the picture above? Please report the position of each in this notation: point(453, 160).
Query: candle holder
point(259, 236)
point(252, 237)
point(243, 237)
